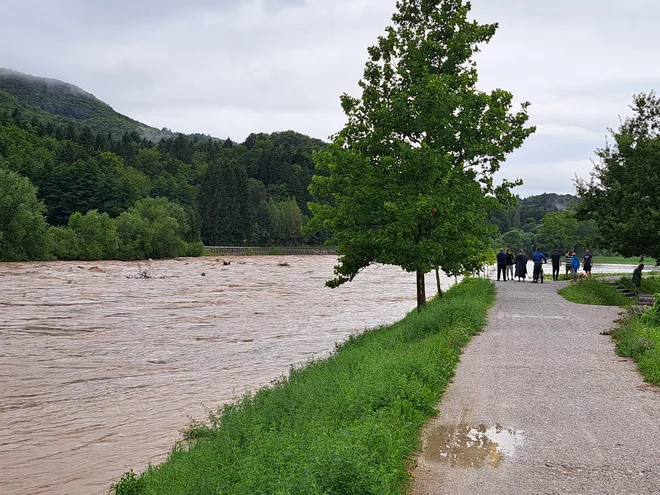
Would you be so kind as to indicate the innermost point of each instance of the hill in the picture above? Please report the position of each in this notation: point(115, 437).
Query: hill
point(54, 100)
point(549, 201)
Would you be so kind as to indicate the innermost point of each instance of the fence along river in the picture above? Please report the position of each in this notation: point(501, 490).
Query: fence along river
point(100, 369)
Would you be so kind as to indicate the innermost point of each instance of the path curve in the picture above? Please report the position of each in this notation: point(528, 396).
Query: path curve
point(541, 404)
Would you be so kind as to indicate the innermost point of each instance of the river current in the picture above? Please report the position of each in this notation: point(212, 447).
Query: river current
point(101, 368)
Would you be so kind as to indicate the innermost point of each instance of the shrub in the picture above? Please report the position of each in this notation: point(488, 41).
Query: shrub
point(97, 235)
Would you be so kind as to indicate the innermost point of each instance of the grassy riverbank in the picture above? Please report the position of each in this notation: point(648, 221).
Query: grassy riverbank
point(594, 291)
point(638, 336)
point(348, 424)
point(649, 285)
point(620, 260)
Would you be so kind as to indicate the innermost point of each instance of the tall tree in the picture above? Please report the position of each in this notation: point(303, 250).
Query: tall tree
point(22, 221)
point(414, 164)
point(558, 230)
point(623, 195)
point(224, 204)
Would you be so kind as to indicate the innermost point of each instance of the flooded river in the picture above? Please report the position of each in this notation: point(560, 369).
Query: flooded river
point(101, 369)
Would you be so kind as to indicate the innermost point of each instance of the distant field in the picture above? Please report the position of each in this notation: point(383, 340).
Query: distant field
point(619, 260)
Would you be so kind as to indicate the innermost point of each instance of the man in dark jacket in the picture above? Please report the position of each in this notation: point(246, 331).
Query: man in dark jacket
point(556, 258)
point(501, 264)
point(539, 259)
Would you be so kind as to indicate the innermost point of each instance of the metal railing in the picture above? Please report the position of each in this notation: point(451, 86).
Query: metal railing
point(265, 251)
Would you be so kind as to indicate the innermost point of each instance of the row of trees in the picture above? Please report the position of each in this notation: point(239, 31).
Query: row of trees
point(231, 194)
point(549, 222)
point(152, 228)
point(623, 192)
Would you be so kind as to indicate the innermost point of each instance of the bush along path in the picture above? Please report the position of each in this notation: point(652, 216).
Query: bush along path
point(541, 404)
point(638, 335)
point(348, 424)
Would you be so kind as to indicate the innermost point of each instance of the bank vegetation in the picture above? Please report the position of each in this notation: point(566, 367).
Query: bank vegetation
point(347, 424)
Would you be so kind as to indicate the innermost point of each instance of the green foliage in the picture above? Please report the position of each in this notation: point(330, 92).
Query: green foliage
point(153, 228)
point(594, 291)
point(619, 260)
point(22, 222)
point(169, 229)
point(65, 243)
point(136, 236)
point(650, 285)
point(96, 235)
point(558, 231)
point(410, 176)
point(283, 222)
point(70, 103)
point(82, 158)
point(639, 338)
point(129, 484)
point(224, 204)
point(347, 425)
point(622, 195)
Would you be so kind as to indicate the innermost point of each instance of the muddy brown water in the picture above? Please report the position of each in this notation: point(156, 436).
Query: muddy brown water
point(100, 370)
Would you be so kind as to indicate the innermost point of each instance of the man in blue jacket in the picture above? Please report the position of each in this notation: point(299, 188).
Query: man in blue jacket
point(501, 264)
point(539, 258)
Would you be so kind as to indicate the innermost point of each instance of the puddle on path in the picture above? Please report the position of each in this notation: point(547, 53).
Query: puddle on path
point(468, 446)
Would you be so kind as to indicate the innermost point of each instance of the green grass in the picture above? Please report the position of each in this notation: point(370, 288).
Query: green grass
point(650, 285)
point(620, 260)
point(345, 425)
point(594, 291)
point(638, 336)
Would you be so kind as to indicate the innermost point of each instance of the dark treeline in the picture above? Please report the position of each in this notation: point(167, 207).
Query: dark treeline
point(219, 192)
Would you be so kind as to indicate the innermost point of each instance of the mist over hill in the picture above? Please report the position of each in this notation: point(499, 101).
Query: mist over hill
point(70, 104)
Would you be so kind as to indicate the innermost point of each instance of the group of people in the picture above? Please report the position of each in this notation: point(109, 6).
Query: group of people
point(507, 261)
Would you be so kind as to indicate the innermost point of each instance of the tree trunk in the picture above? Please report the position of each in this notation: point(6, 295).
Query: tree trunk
point(437, 280)
point(421, 291)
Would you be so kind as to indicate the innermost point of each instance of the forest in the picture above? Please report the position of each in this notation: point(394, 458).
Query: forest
point(548, 221)
point(73, 191)
point(81, 181)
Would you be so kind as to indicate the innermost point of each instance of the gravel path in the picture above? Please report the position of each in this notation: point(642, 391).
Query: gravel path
point(541, 404)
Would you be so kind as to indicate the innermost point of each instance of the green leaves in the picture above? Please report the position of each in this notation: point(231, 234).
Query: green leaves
point(22, 221)
point(411, 173)
point(623, 195)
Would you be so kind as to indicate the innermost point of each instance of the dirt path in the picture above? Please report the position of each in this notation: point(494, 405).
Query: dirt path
point(541, 404)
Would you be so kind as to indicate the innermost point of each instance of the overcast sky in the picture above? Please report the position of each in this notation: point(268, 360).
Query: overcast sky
point(232, 67)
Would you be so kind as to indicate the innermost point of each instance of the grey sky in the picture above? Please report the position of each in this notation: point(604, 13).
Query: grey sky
point(230, 67)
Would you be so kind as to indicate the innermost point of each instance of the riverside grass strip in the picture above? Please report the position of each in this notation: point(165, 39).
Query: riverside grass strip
point(594, 291)
point(638, 336)
point(348, 424)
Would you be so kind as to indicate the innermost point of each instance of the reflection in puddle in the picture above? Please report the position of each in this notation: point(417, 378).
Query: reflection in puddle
point(469, 446)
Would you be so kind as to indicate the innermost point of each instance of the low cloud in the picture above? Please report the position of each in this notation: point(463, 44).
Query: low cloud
point(230, 67)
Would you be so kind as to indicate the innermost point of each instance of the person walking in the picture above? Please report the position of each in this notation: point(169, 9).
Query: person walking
point(556, 258)
point(501, 265)
point(587, 262)
point(539, 258)
point(575, 265)
point(567, 261)
point(521, 265)
point(637, 276)
point(510, 262)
